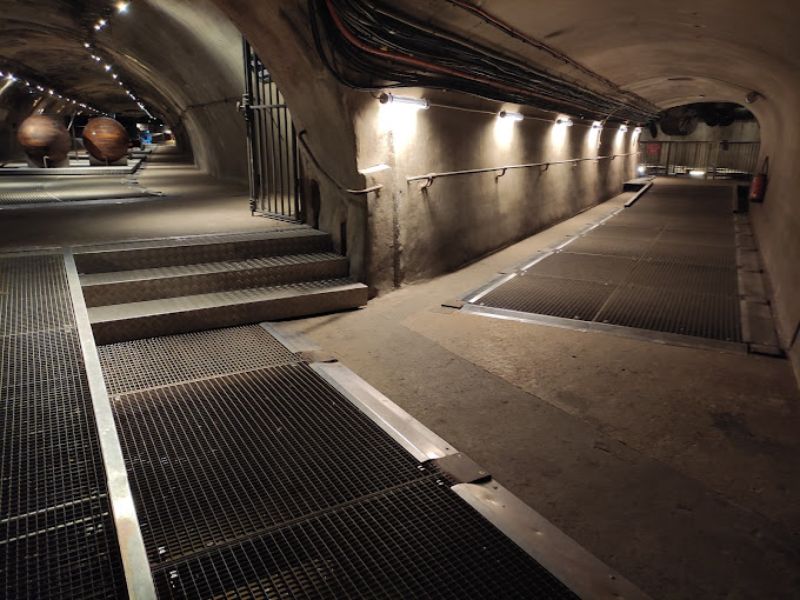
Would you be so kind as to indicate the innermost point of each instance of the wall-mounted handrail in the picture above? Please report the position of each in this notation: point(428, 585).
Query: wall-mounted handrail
point(431, 177)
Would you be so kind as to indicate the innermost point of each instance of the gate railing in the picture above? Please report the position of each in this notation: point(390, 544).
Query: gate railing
point(714, 160)
point(271, 143)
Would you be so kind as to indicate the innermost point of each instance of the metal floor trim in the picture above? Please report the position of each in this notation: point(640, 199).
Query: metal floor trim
point(136, 565)
point(506, 275)
point(636, 333)
point(576, 567)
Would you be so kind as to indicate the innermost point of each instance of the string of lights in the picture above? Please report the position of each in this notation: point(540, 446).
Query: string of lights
point(11, 79)
point(120, 8)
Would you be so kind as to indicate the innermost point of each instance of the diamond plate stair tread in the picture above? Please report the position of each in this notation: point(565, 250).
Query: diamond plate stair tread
point(184, 304)
point(178, 271)
point(198, 240)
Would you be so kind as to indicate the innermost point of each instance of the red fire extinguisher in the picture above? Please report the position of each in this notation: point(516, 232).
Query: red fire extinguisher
point(758, 186)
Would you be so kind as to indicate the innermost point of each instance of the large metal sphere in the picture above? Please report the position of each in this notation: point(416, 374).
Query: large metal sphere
point(44, 137)
point(106, 139)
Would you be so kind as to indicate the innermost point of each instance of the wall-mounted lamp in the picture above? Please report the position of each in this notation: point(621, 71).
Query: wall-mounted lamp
point(122, 7)
point(511, 116)
point(637, 131)
point(565, 121)
point(623, 128)
point(597, 125)
point(419, 103)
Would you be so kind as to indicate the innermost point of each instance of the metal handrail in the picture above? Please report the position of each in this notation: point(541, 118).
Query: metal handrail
point(431, 177)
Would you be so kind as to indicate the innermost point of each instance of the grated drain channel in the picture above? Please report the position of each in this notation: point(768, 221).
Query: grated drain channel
point(155, 362)
point(416, 541)
point(666, 264)
point(267, 483)
point(57, 538)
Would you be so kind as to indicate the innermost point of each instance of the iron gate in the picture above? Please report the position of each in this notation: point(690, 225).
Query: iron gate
point(271, 144)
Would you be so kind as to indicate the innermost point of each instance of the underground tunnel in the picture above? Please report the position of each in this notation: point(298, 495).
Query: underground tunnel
point(423, 299)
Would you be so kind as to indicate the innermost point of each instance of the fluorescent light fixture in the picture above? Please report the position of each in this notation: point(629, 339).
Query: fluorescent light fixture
point(565, 121)
point(697, 173)
point(374, 169)
point(419, 103)
point(597, 125)
point(623, 128)
point(512, 116)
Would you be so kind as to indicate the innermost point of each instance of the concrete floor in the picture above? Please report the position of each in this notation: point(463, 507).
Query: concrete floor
point(192, 203)
point(677, 466)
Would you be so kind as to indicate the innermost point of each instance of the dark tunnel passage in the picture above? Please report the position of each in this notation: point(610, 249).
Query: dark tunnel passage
point(428, 299)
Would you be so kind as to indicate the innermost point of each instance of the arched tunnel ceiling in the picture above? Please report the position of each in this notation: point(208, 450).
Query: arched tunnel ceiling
point(42, 40)
point(172, 55)
point(670, 53)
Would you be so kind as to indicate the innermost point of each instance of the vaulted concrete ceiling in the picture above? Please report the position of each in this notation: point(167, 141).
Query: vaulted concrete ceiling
point(669, 52)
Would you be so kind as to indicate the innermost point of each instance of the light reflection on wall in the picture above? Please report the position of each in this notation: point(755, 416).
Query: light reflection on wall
point(558, 135)
point(400, 120)
point(593, 137)
point(504, 132)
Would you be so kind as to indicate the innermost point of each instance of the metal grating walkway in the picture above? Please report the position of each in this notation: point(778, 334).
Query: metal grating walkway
point(264, 482)
point(667, 264)
point(57, 537)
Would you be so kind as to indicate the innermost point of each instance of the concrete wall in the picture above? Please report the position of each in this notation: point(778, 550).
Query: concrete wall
point(423, 233)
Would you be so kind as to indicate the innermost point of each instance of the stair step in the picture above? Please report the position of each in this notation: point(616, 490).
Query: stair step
point(170, 252)
point(102, 289)
point(153, 318)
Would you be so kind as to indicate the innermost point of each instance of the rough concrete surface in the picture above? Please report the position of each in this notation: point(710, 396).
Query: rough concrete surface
point(677, 466)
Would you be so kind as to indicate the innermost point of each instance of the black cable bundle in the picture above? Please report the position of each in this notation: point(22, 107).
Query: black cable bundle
point(368, 46)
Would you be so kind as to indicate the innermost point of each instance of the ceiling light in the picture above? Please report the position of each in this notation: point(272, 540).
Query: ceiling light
point(513, 116)
point(122, 7)
point(419, 103)
point(107, 67)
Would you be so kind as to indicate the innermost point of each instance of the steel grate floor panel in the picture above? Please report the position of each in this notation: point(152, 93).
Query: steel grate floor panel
point(710, 316)
point(416, 541)
point(216, 460)
point(682, 279)
point(587, 267)
point(154, 362)
point(566, 298)
point(57, 539)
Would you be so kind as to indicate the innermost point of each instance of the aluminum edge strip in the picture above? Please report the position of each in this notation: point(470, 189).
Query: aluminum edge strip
point(648, 335)
point(294, 342)
point(135, 563)
point(412, 435)
point(576, 567)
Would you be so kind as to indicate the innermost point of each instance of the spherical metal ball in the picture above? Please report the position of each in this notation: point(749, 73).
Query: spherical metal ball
point(45, 139)
point(105, 139)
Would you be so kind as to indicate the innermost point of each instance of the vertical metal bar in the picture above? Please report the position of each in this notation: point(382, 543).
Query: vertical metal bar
point(248, 117)
point(285, 157)
point(298, 209)
point(129, 535)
